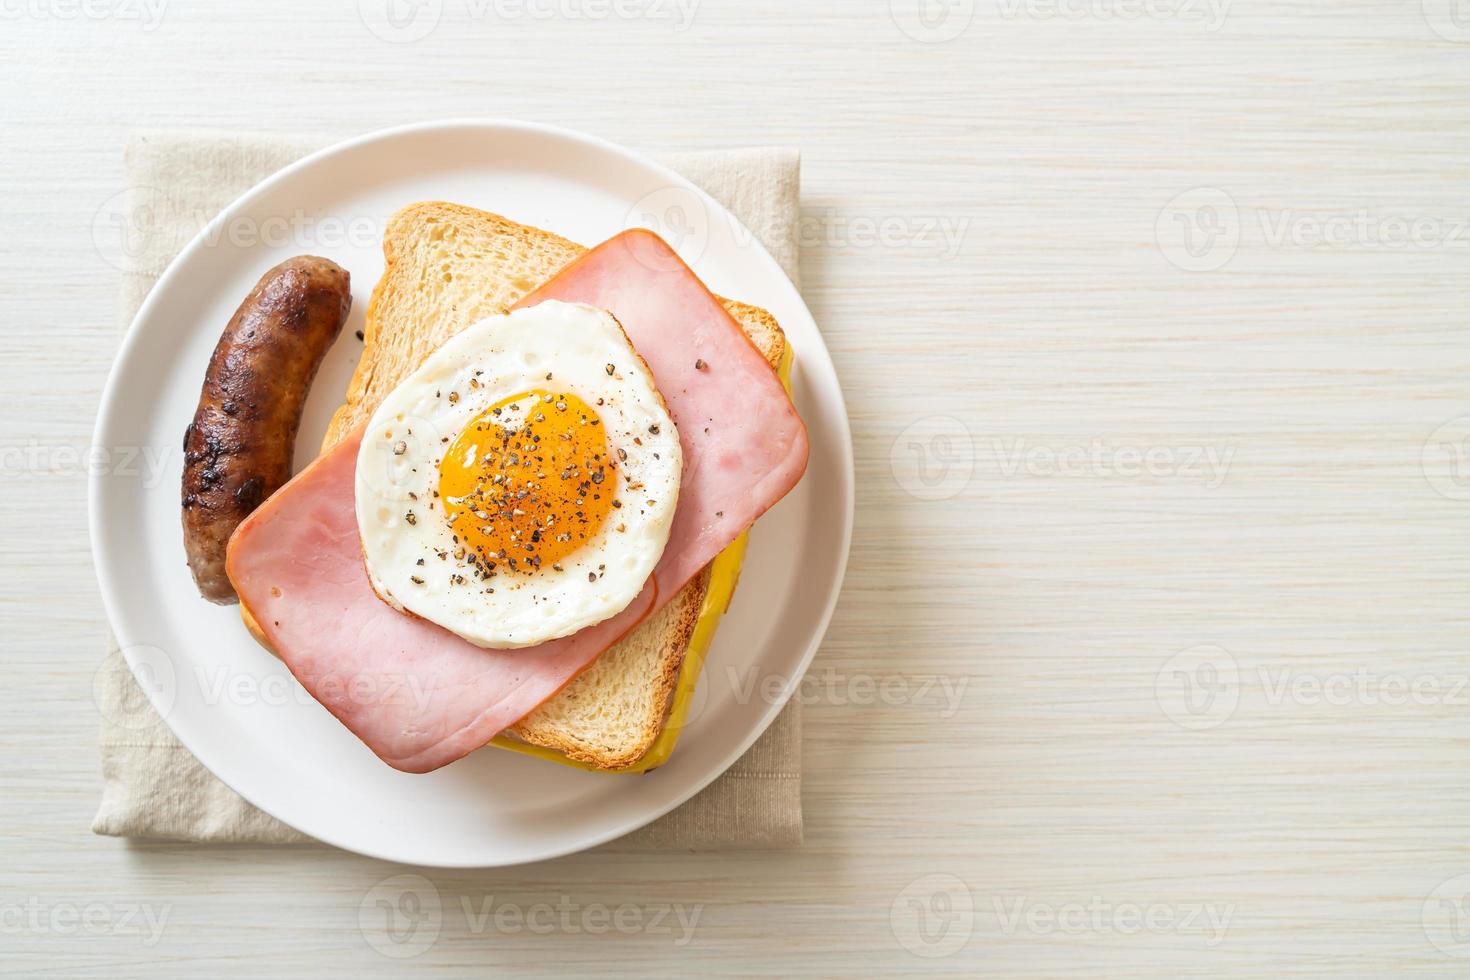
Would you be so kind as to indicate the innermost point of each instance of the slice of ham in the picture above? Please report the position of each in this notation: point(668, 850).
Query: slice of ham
point(417, 695)
point(744, 445)
point(421, 697)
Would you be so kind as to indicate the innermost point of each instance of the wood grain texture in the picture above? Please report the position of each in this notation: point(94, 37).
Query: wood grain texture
point(1034, 400)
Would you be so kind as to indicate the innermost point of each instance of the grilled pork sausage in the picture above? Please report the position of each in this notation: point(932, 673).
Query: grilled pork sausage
point(238, 449)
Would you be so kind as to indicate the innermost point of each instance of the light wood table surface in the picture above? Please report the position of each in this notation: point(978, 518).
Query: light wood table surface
point(1153, 318)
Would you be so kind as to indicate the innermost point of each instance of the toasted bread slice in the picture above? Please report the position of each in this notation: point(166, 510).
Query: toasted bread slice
point(447, 267)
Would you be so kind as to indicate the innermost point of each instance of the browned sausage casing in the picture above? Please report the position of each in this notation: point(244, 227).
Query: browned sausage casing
point(238, 449)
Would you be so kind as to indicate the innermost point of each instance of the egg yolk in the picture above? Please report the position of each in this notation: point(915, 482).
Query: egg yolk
point(528, 482)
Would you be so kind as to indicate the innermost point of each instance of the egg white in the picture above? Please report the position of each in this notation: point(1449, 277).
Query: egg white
point(405, 534)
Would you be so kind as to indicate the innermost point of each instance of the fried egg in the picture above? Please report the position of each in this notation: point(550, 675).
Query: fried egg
point(520, 485)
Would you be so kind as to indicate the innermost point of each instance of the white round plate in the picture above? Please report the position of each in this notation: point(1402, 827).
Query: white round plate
point(236, 707)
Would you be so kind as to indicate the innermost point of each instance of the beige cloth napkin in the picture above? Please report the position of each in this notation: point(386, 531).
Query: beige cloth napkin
point(152, 786)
